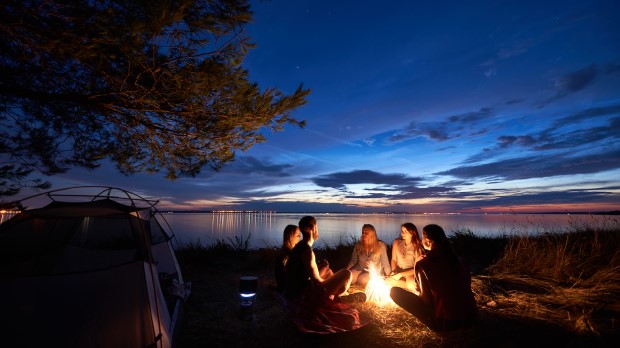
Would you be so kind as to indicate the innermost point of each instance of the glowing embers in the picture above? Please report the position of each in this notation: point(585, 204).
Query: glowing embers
point(377, 290)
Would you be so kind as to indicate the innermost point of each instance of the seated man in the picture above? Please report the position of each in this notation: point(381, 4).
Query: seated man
point(303, 273)
point(310, 295)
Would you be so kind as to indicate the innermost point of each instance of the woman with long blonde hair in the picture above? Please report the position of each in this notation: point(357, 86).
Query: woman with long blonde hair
point(369, 253)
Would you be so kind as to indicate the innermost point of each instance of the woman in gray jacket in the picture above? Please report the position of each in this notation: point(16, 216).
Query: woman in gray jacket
point(369, 253)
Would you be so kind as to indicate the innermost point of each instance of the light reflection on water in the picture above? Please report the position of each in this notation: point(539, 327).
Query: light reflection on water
point(265, 229)
point(6, 215)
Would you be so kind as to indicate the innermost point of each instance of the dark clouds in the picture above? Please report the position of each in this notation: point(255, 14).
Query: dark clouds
point(539, 166)
point(577, 138)
point(389, 186)
point(444, 130)
point(252, 165)
point(473, 117)
point(576, 81)
point(299, 207)
point(551, 139)
point(584, 115)
point(506, 198)
point(510, 140)
point(581, 79)
point(579, 131)
point(340, 180)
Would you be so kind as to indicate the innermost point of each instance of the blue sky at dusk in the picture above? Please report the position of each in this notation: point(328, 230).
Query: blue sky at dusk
point(423, 106)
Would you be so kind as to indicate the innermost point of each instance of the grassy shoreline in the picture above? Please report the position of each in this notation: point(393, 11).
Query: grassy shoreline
point(552, 289)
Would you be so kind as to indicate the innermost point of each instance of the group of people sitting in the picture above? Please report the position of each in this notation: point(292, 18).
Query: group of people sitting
point(427, 278)
point(310, 289)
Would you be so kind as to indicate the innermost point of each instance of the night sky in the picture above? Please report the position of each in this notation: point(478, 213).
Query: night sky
point(423, 106)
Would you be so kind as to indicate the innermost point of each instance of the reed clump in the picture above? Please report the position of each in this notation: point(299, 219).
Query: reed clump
point(570, 279)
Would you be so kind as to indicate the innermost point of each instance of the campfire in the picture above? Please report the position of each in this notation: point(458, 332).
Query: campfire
point(377, 290)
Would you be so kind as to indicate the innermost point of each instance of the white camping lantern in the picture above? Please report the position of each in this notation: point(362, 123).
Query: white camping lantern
point(247, 290)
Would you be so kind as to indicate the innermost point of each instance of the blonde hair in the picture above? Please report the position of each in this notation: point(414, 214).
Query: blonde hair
point(373, 242)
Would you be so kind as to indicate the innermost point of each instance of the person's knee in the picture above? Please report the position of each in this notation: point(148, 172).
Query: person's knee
point(348, 275)
point(394, 292)
point(363, 279)
point(344, 275)
point(354, 276)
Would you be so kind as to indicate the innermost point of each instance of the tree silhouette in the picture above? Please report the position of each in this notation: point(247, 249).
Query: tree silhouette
point(152, 85)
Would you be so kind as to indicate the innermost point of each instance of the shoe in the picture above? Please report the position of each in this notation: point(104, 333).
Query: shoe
point(358, 297)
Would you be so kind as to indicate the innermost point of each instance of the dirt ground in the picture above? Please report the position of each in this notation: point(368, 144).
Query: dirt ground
point(213, 317)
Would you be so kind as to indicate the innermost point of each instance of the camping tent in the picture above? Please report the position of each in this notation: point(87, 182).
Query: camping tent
point(98, 273)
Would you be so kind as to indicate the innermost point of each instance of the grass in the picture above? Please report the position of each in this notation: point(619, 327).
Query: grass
point(550, 289)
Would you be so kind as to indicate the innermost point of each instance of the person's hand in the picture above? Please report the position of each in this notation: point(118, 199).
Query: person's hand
point(323, 263)
point(391, 281)
point(394, 276)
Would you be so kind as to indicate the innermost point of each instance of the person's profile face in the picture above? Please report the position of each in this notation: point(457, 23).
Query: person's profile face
point(426, 242)
point(296, 237)
point(404, 234)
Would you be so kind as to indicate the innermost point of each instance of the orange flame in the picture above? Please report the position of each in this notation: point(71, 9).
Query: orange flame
point(377, 290)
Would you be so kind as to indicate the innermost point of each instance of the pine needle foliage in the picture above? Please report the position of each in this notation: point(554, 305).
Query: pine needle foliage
point(153, 86)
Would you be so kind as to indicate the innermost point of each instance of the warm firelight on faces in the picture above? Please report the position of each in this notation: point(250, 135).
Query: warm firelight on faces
point(377, 290)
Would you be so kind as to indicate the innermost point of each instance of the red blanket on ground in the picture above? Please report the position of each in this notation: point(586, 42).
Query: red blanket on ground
point(316, 313)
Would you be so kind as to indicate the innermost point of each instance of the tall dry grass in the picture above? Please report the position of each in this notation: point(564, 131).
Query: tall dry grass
point(571, 279)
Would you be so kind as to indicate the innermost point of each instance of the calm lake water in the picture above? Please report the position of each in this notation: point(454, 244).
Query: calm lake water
point(265, 229)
